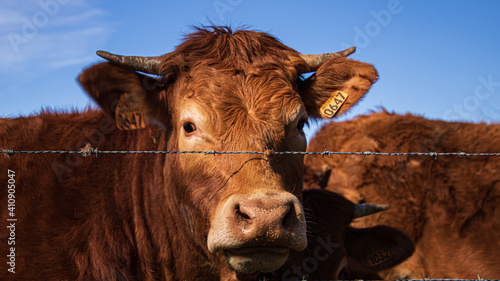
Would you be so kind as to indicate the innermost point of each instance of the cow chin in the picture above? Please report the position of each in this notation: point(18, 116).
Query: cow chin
point(257, 259)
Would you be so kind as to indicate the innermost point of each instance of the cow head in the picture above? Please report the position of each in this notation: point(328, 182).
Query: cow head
point(334, 245)
point(225, 91)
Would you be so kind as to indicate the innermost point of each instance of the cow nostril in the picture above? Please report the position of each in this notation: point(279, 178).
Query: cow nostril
point(240, 214)
point(290, 217)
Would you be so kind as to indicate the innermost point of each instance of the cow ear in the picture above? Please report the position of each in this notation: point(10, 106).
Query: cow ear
point(336, 86)
point(132, 99)
point(377, 248)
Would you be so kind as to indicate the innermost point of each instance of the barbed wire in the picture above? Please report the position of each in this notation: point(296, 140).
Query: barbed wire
point(87, 151)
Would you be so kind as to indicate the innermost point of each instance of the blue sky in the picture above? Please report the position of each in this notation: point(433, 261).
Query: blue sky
point(438, 59)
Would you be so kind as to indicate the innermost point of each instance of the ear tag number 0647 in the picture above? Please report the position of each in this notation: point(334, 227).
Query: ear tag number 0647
point(128, 116)
point(130, 120)
point(333, 104)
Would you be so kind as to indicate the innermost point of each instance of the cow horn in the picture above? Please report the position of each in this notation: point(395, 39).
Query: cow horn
point(362, 210)
point(149, 65)
point(315, 61)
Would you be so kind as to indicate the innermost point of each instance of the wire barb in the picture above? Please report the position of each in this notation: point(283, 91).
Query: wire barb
point(8, 153)
point(210, 152)
point(87, 150)
point(268, 153)
point(326, 152)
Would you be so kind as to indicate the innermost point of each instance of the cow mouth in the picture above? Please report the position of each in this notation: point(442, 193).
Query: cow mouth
point(249, 260)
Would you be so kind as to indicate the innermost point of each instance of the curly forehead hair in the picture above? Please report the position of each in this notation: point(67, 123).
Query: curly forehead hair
point(241, 50)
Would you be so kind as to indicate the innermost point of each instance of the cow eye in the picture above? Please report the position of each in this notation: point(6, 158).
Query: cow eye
point(189, 128)
point(301, 124)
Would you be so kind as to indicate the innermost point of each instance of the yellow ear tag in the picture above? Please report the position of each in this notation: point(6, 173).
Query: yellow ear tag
point(128, 116)
point(333, 104)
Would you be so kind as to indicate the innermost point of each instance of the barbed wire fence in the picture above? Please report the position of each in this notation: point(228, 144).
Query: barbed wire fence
point(88, 151)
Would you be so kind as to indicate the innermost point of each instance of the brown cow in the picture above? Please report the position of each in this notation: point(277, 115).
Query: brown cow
point(332, 243)
point(175, 216)
point(447, 205)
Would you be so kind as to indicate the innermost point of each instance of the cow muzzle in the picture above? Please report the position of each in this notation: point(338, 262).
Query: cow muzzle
point(256, 232)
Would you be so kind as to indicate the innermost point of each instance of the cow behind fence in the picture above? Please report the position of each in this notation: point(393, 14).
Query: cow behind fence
point(175, 216)
point(447, 205)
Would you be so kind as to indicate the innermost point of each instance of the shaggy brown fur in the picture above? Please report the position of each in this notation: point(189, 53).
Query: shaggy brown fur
point(448, 205)
point(99, 222)
point(115, 217)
